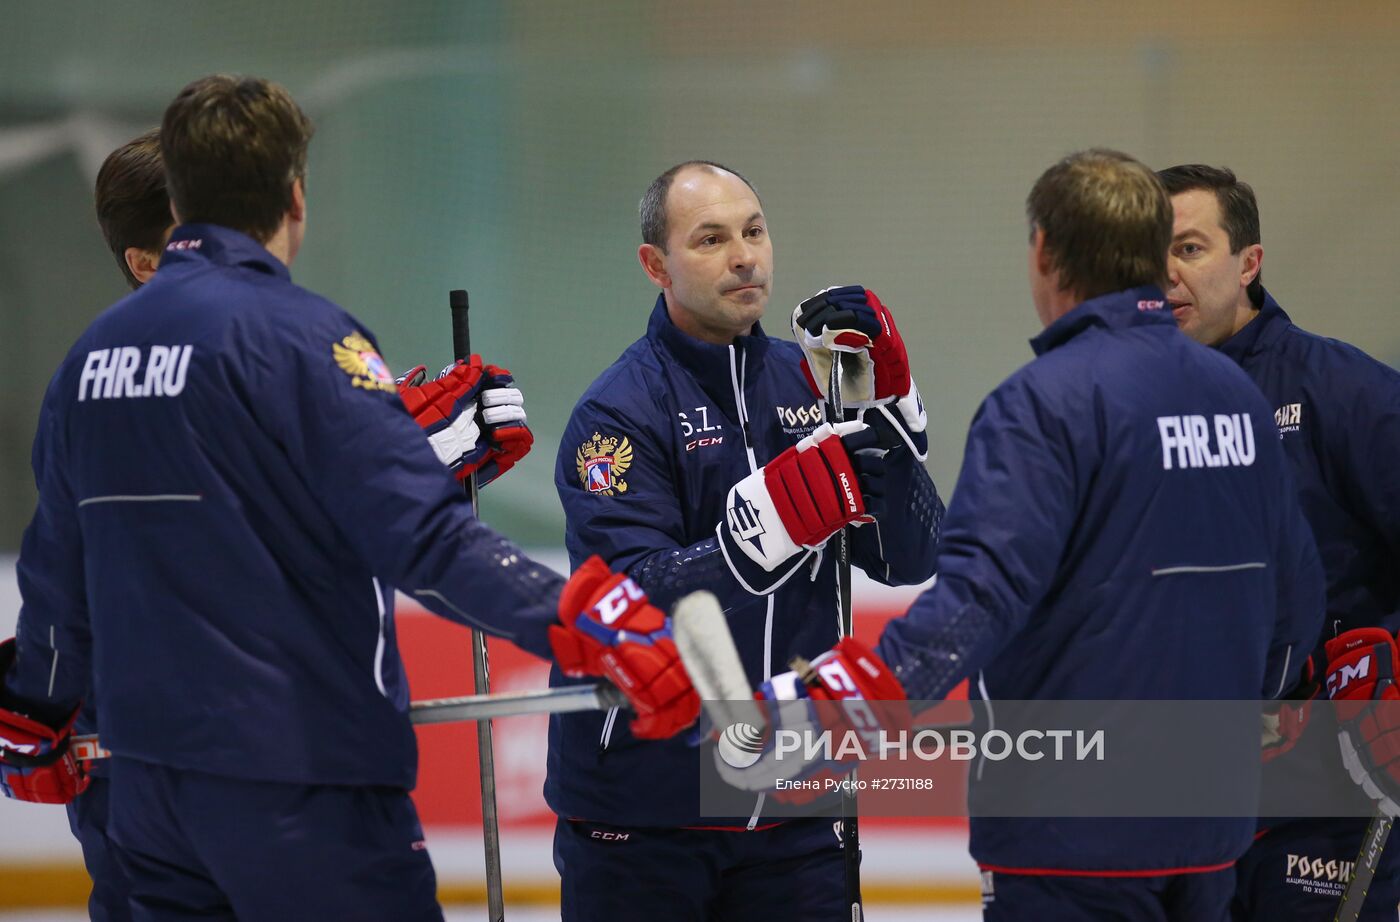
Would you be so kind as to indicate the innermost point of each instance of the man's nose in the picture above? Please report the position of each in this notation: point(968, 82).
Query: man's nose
point(742, 254)
point(1173, 271)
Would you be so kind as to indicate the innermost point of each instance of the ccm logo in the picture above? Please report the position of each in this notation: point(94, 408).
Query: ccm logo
point(1347, 674)
point(609, 836)
point(21, 748)
point(615, 604)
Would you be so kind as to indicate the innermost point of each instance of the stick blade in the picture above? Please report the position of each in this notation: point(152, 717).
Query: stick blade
point(710, 658)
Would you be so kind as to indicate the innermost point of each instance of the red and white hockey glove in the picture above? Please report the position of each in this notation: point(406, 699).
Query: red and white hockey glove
point(1284, 723)
point(846, 691)
point(799, 499)
point(474, 417)
point(610, 629)
point(503, 421)
point(1361, 679)
point(35, 762)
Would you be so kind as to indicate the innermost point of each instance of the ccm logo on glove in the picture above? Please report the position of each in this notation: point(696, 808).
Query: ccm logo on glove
point(22, 748)
point(615, 603)
point(1348, 673)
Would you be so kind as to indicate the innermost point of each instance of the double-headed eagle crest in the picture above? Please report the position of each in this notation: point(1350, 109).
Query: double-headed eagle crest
point(357, 357)
point(601, 461)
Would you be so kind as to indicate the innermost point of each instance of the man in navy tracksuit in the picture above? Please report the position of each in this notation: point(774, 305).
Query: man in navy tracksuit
point(682, 464)
point(229, 489)
point(1117, 531)
point(1338, 414)
point(134, 214)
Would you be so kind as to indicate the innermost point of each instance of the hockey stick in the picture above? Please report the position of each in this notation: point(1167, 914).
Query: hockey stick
point(850, 817)
point(481, 669)
point(707, 652)
point(1372, 845)
point(702, 637)
point(712, 661)
point(599, 697)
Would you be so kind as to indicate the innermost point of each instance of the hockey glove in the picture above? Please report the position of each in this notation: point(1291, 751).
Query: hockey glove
point(474, 417)
point(1361, 678)
point(905, 419)
point(446, 408)
point(847, 691)
point(802, 497)
point(35, 762)
point(610, 629)
point(1283, 726)
point(503, 421)
point(851, 319)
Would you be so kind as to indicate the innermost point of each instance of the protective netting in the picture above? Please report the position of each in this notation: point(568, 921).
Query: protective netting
point(502, 147)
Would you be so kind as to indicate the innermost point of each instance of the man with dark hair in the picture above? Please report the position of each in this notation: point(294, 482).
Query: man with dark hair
point(1338, 414)
point(134, 214)
point(1216, 283)
point(652, 209)
point(699, 460)
point(1079, 537)
point(132, 207)
point(229, 490)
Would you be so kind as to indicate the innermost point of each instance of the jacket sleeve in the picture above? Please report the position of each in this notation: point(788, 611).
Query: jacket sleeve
point(52, 670)
point(900, 548)
point(396, 506)
point(621, 501)
point(1012, 512)
point(1301, 591)
point(1365, 446)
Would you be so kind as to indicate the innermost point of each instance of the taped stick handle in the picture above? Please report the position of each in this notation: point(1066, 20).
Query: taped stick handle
point(460, 305)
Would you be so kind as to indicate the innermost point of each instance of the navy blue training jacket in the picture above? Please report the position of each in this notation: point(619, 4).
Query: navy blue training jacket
point(229, 488)
point(1123, 528)
point(1338, 413)
point(644, 470)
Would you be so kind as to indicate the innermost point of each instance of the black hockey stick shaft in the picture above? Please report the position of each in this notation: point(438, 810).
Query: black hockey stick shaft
point(481, 667)
point(1369, 858)
point(850, 813)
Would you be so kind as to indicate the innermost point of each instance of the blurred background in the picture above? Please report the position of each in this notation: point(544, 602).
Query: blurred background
point(502, 147)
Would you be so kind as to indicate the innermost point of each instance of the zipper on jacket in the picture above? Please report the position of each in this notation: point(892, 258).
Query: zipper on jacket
point(738, 365)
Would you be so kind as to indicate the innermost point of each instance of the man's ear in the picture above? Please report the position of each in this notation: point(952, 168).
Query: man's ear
point(1253, 261)
point(653, 260)
point(142, 263)
point(1044, 262)
point(298, 209)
